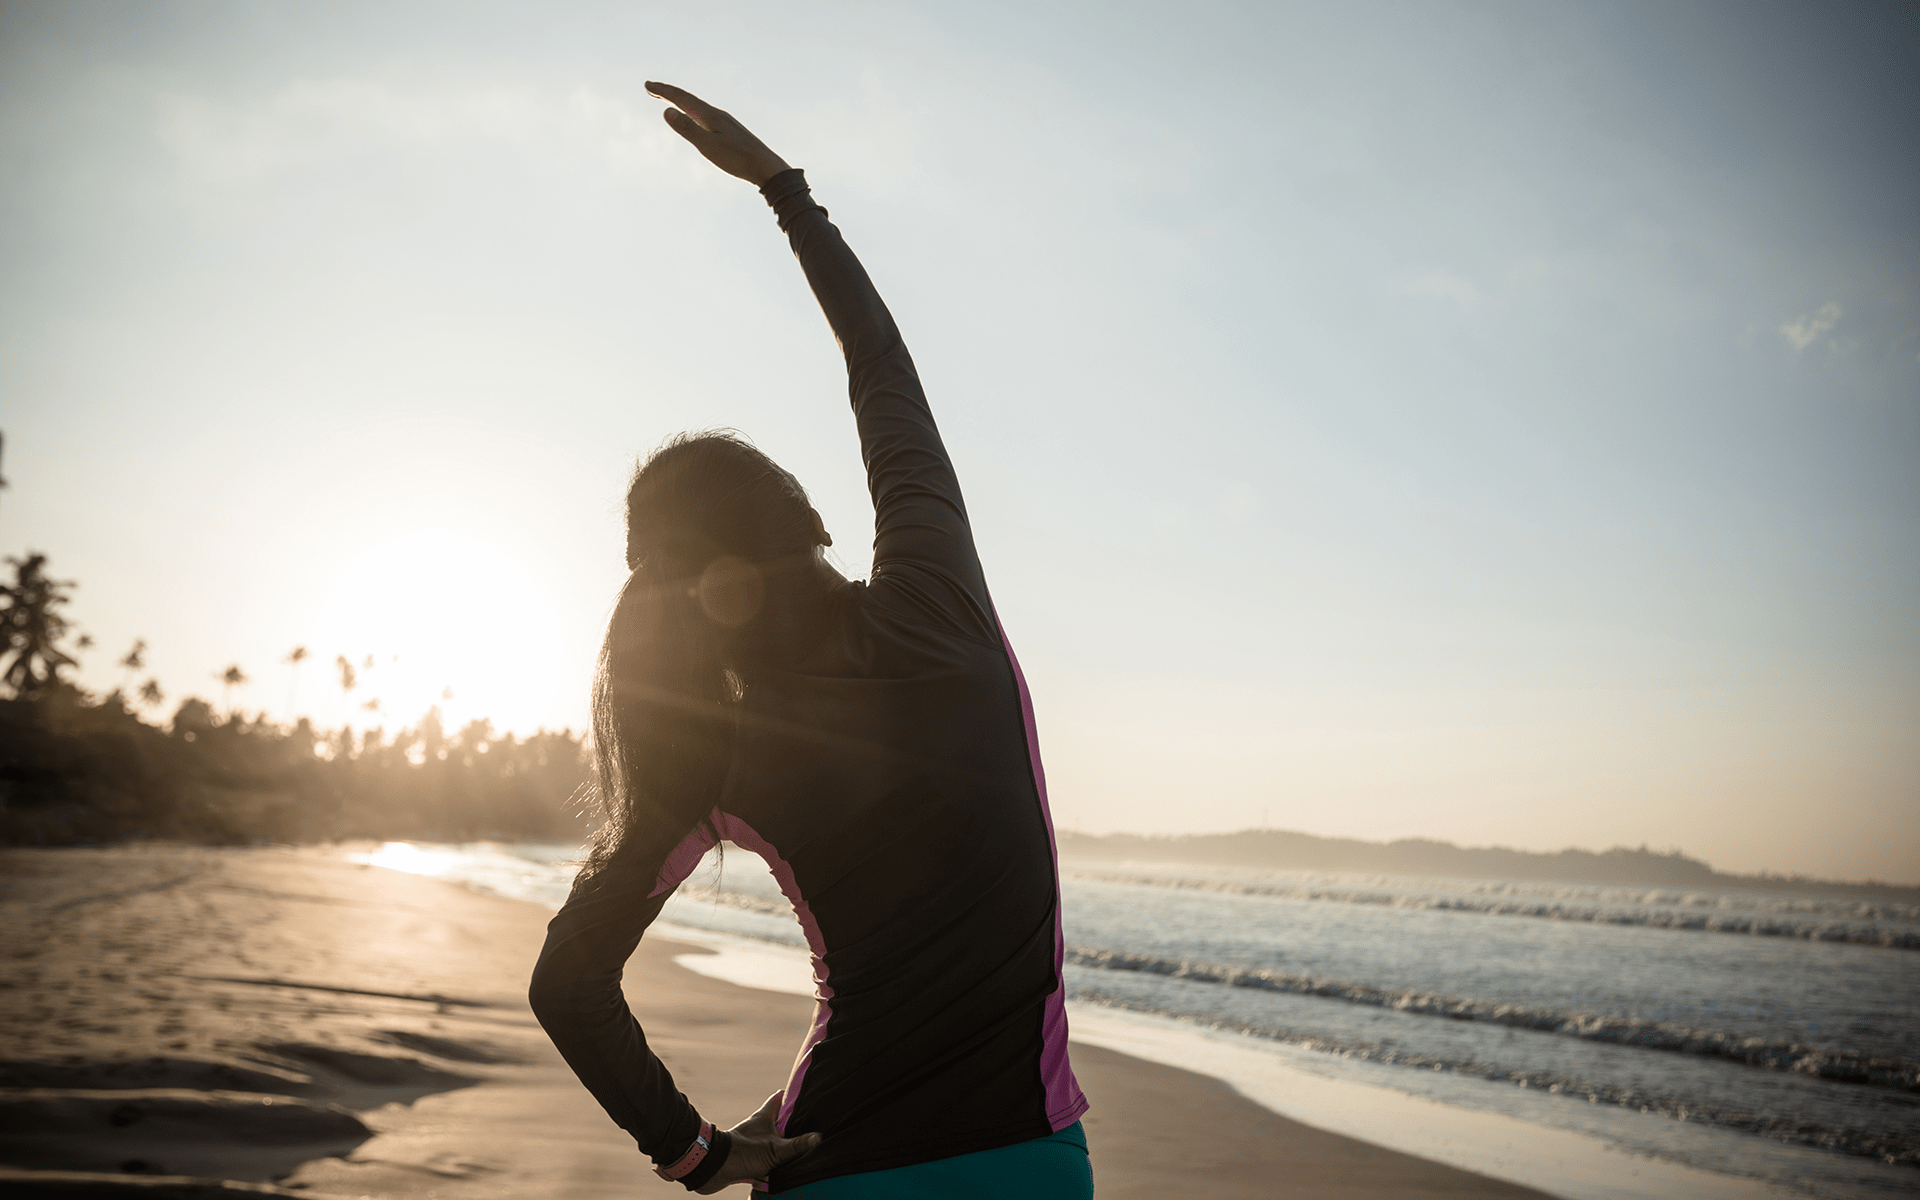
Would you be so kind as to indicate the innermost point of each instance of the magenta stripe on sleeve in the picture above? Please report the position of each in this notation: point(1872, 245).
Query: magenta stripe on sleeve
point(1065, 1101)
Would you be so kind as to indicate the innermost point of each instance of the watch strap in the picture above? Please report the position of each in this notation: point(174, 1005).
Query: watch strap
point(696, 1154)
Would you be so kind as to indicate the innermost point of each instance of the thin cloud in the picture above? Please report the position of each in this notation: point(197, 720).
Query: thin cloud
point(1520, 279)
point(1438, 285)
point(1804, 331)
point(314, 121)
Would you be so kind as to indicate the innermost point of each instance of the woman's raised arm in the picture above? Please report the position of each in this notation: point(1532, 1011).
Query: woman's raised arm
point(923, 553)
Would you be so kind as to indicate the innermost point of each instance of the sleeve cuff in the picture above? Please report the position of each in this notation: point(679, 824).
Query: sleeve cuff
point(788, 195)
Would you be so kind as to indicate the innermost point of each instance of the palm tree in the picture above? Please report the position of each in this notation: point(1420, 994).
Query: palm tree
point(230, 679)
point(348, 678)
point(32, 625)
point(134, 660)
point(294, 658)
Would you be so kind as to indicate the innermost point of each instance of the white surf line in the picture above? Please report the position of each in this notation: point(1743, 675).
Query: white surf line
point(1556, 1161)
point(1559, 1162)
point(742, 960)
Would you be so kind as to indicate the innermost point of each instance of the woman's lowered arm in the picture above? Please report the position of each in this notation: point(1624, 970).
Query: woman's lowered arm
point(577, 998)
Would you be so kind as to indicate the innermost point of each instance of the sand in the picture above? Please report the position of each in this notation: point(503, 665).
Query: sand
point(191, 1022)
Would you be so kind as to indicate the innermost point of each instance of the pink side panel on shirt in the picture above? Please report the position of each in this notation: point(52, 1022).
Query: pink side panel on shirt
point(685, 857)
point(680, 864)
point(1065, 1101)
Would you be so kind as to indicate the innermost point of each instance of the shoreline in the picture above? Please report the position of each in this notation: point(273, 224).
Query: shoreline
point(1559, 1162)
point(1574, 1149)
point(1707, 1154)
point(284, 1018)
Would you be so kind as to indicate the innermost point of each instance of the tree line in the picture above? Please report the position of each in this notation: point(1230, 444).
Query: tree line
point(80, 767)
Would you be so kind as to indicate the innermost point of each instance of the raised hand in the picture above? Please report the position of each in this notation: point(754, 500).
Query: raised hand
point(725, 142)
point(757, 1149)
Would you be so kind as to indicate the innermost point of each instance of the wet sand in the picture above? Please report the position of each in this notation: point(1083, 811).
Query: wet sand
point(187, 1023)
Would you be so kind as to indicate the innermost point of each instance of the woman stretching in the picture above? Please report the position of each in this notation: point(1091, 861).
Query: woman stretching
point(875, 744)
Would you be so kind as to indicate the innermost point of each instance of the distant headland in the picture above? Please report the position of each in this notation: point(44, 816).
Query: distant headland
point(1285, 850)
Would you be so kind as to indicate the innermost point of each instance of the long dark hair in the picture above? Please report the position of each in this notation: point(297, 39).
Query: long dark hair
point(706, 514)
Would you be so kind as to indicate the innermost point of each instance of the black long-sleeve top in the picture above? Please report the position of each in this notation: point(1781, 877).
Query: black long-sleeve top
point(892, 780)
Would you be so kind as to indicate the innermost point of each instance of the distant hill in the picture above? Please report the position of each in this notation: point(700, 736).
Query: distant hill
point(1279, 849)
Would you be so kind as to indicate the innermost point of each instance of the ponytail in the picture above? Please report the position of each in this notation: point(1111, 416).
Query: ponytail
point(662, 725)
point(700, 512)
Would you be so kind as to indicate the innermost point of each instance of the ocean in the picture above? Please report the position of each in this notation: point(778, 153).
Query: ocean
point(1764, 1039)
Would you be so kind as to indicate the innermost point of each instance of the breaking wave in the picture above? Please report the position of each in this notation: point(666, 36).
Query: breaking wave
point(1838, 1066)
point(1814, 921)
point(1891, 1149)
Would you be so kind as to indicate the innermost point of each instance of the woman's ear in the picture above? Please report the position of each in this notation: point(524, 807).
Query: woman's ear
point(820, 535)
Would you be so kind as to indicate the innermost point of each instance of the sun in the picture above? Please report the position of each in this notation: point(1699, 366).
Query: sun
point(452, 619)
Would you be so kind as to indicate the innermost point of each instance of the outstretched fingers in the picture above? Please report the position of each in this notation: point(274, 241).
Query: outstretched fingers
point(723, 141)
point(690, 117)
point(688, 128)
point(702, 114)
point(675, 95)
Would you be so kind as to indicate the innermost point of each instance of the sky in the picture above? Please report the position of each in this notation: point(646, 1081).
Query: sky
point(1490, 422)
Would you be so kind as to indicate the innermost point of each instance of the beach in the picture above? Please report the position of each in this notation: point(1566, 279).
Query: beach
point(190, 1021)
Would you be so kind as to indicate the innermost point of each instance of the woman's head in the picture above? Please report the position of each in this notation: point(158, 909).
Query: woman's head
point(713, 525)
point(714, 491)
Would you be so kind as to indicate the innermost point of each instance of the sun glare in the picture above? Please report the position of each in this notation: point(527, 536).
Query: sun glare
point(442, 620)
point(408, 858)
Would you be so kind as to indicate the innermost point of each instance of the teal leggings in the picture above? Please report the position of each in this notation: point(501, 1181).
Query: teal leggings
point(1054, 1167)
